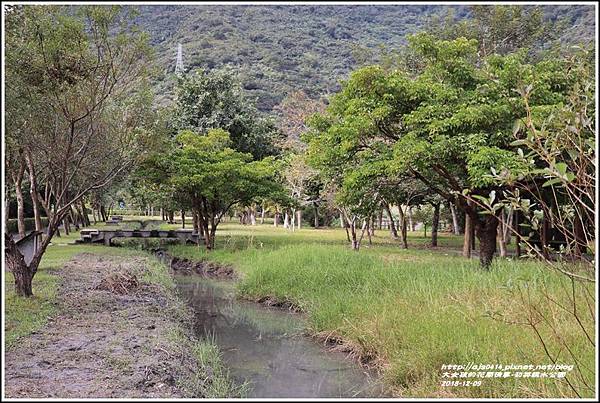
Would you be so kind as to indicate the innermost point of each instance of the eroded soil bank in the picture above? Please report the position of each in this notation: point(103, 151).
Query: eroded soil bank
point(118, 333)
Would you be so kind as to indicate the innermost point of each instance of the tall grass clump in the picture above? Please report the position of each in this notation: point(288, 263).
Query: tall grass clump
point(413, 316)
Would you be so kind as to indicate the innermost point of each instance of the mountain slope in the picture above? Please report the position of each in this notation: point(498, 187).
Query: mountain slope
point(281, 48)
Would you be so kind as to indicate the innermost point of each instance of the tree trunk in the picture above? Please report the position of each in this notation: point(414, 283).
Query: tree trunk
point(74, 218)
point(286, 220)
point(393, 230)
point(262, 215)
point(209, 239)
point(486, 232)
point(435, 222)
point(33, 191)
point(455, 227)
point(66, 225)
point(501, 242)
point(544, 237)
point(20, 209)
point(403, 229)
point(345, 224)
point(579, 235)
point(472, 236)
point(16, 264)
point(171, 215)
point(86, 218)
point(411, 223)
point(299, 218)
point(182, 218)
point(354, 241)
point(6, 210)
point(316, 210)
point(252, 212)
point(276, 218)
point(467, 237)
point(195, 220)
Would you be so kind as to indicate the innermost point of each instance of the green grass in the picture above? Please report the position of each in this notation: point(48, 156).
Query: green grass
point(416, 309)
point(413, 310)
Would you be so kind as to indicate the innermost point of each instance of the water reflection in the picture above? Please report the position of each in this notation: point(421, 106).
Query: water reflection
point(264, 346)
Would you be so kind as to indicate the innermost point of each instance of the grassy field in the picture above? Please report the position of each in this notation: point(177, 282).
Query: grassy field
point(414, 310)
point(408, 311)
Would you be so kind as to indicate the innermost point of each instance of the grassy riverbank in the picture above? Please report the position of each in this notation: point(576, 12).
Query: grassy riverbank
point(411, 311)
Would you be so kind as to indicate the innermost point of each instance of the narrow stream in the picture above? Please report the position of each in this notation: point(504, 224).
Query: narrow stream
point(264, 346)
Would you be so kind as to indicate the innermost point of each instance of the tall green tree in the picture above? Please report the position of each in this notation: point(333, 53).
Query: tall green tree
point(447, 124)
point(213, 176)
point(215, 99)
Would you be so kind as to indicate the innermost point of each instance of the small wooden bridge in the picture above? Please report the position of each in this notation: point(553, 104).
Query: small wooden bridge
point(105, 236)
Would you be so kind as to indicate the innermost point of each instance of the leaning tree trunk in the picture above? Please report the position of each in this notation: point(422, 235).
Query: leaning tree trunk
point(393, 230)
point(403, 233)
point(435, 222)
point(486, 229)
point(316, 210)
point(455, 227)
point(86, 219)
point(16, 264)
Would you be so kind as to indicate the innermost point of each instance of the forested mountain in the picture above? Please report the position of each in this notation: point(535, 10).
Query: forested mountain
point(281, 48)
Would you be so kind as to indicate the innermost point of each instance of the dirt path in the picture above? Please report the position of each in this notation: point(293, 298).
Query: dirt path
point(111, 342)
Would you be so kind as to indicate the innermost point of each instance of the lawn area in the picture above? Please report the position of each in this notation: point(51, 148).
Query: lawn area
point(414, 310)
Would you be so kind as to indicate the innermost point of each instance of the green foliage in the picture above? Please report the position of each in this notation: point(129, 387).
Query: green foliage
point(215, 100)
point(321, 43)
point(206, 166)
point(502, 29)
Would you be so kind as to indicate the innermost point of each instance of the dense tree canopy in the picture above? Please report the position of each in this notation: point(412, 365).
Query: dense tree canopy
point(447, 124)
